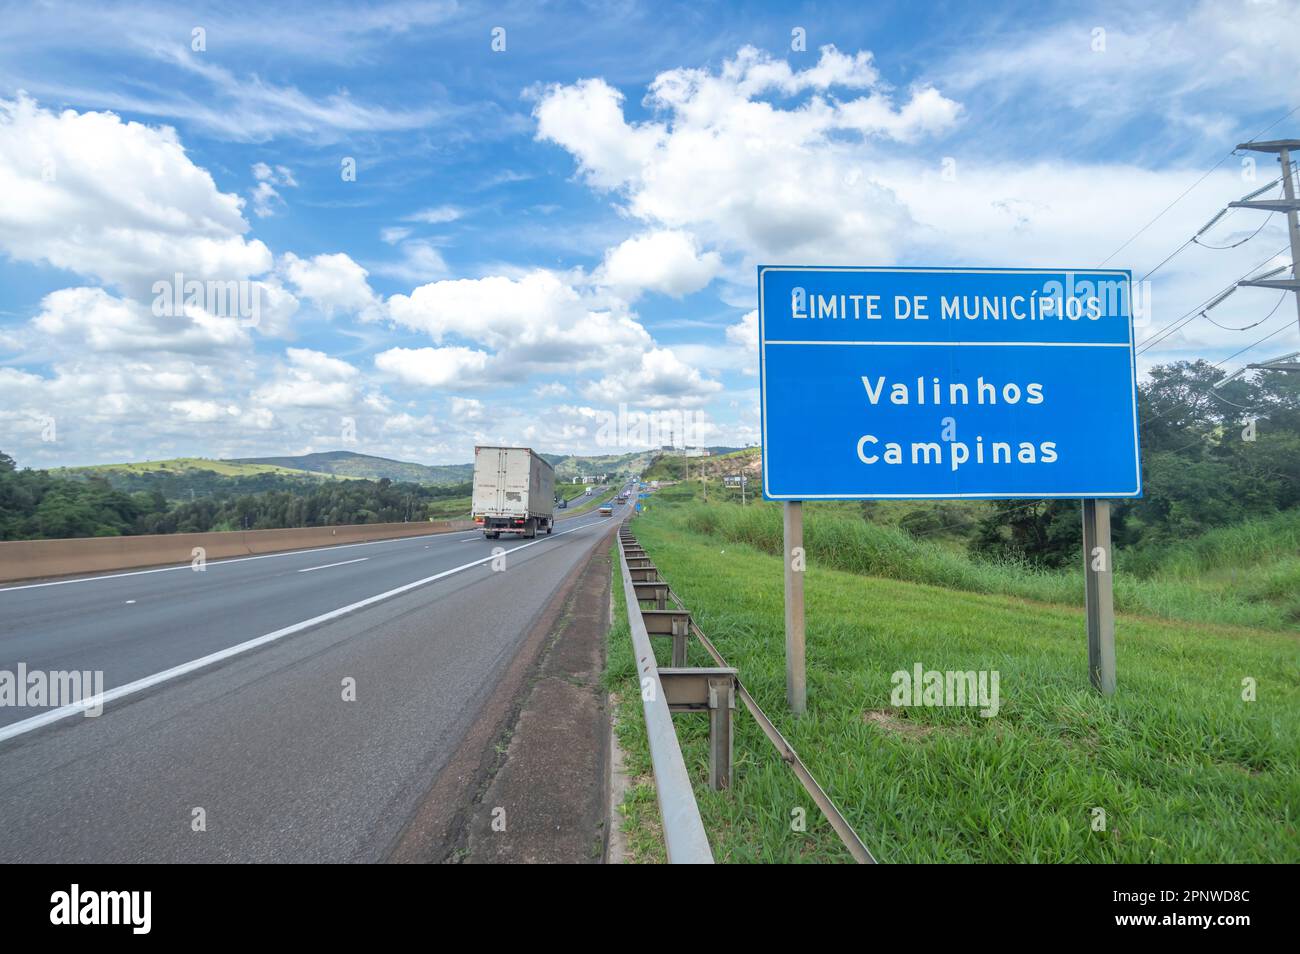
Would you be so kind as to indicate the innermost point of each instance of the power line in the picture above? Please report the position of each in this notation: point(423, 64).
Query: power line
point(1216, 364)
point(1210, 172)
point(1249, 346)
point(1225, 212)
point(1162, 212)
point(1272, 312)
point(1220, 248)
point(1208, 303)
point(1226, 401)
point(1169, 258)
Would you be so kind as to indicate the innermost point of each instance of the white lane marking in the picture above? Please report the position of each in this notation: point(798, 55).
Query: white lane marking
point(175, 672)
point(212, 563)
point(328, 565)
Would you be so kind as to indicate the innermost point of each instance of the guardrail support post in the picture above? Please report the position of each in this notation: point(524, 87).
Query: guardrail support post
point(1098, 574)
point(722, 700)
point(796, 680)
point(680, 641)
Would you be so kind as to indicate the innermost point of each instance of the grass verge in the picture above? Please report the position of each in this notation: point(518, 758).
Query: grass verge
point(1183, 768)
point(1246, 575)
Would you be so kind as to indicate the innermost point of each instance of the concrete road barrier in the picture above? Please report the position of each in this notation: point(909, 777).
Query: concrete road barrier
point(34, 559)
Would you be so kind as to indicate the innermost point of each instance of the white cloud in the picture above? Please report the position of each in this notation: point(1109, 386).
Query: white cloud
point(468, 410)
point(453, 367)
point(152, 45)
point(420, 262)
point(310, 379)
point(203, 412)
point(334, 283)
point(806, 175)
point(661, 380)
point(1199, 66)
point(265, 195)
point(142, 210)
point(587, 119)
point(744, 333)
point(742, 172)
point(436, 215)
point(666, 261)
point(536, 321)
point(276, 308)
point(551, 389)
point(91, 318)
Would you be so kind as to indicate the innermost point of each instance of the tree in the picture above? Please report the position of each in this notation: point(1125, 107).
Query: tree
point(1042, 532)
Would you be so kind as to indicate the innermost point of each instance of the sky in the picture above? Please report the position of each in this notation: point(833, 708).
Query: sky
point(445, 224)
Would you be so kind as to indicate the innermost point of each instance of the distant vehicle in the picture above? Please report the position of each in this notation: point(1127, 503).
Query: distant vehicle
point(605, 510)
point(561, 504)
point(587, 492)
point(514, 492)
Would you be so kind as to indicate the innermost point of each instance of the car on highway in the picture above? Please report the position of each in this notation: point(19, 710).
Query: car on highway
point(605, 510)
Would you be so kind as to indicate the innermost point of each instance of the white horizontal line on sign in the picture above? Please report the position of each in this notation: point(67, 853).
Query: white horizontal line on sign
point(982, 495)
point(968, 344)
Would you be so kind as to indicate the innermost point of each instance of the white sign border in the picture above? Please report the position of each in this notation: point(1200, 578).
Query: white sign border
point(762, 380)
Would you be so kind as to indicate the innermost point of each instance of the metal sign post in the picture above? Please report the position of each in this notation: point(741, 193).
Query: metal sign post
point(1098, 574)
point(796, 673)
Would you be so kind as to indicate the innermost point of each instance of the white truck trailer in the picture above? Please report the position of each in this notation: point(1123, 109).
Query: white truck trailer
point(514, 492)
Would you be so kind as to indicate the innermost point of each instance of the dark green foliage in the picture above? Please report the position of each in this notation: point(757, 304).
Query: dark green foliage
point(1199, 470)
point(36, 505)
point(1044, 532)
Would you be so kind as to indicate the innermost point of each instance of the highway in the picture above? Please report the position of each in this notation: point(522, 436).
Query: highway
point(225, 691)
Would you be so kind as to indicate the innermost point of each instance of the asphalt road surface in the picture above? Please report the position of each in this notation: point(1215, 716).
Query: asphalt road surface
point(226, 735)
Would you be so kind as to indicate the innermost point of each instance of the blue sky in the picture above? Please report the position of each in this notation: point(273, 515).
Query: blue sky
point(537, 234)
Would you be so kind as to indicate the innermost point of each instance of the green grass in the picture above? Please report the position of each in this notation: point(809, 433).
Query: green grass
point(570, 491)
point(1185, 770)
point(450, 508)
point(1247, 575)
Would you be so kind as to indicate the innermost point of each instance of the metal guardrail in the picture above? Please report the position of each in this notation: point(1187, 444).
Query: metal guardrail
point(848, 837)
point(684, 689)
point(684, 835)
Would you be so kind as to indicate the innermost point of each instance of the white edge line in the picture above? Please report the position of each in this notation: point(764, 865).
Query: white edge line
point(326, 566)
point(131, 688)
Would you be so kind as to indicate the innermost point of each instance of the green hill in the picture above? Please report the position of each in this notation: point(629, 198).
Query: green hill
point(368, 467)
point(185, 476)
point(179, 465)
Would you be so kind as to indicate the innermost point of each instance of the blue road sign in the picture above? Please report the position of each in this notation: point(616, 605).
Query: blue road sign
point(956, 382)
